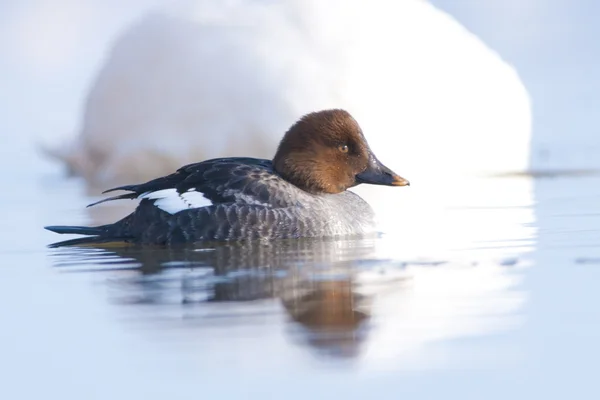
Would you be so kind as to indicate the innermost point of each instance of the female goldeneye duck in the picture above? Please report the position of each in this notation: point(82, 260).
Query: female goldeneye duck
point(301, 193)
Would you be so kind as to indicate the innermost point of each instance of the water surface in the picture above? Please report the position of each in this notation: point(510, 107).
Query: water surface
point(488, 294)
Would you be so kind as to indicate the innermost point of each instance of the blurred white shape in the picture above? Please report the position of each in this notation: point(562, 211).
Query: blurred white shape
point(200, 79)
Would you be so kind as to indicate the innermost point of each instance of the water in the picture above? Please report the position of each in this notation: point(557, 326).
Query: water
point(494, 295)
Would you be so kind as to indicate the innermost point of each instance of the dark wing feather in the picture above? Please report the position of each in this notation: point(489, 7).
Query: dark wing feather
point(119, 197)
point(221, 180)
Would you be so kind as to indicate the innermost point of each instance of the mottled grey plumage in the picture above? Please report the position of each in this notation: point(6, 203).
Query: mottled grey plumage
point(339, 214)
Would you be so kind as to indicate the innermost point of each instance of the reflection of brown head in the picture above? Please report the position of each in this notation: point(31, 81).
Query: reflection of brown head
point(330, 305)
point(330, 314)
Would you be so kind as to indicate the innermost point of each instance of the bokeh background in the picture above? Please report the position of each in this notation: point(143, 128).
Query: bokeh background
point(54, 51)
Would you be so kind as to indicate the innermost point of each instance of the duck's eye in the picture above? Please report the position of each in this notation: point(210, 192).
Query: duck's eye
point(343, 148)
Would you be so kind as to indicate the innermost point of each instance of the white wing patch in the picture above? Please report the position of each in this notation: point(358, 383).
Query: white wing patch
point(171, 201)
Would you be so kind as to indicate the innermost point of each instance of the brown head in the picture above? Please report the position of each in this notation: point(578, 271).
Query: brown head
point(326, 152)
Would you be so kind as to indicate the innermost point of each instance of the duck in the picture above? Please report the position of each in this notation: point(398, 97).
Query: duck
point(301, 192)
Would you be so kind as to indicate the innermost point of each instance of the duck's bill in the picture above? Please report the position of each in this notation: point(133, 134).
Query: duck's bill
point(378, 174)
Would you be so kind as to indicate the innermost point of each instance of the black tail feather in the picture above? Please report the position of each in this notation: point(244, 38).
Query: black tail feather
point(95, 235)
point(77, 230)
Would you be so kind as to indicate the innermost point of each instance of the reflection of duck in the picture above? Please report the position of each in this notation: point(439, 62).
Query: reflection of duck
point(220, 78)
point(329, 296)
point(314, 280)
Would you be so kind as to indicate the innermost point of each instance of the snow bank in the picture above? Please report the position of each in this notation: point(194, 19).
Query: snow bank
point(201, 80)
